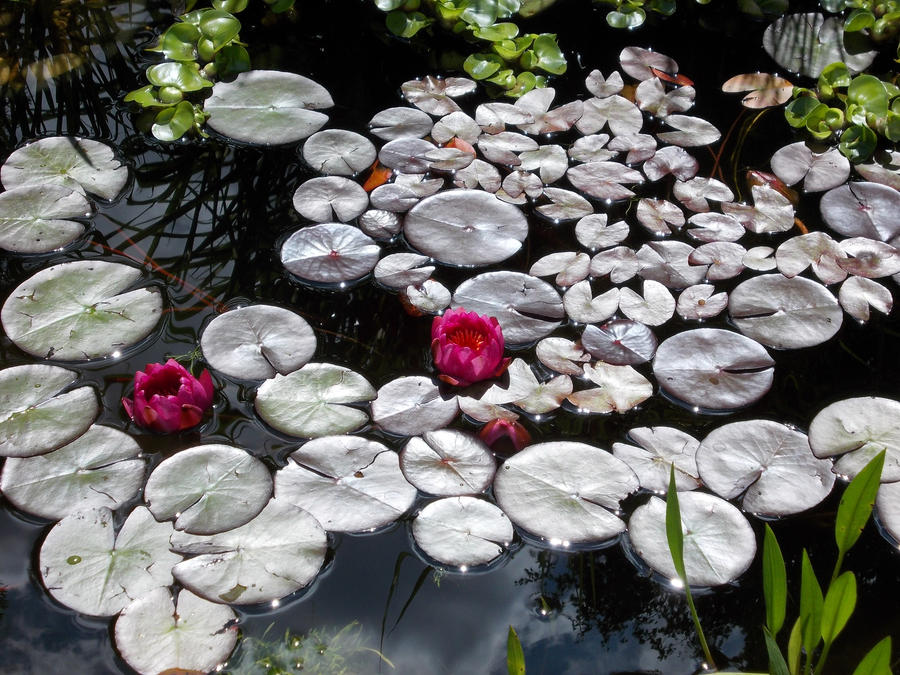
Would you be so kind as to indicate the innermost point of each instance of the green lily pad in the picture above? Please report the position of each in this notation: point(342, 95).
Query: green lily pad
point(34, 218)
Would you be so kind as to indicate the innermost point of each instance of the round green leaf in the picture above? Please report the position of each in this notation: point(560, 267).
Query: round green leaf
point(184, 76)
point(173, 123)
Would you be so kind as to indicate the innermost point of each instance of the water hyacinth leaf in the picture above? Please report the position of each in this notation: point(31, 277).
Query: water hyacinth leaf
point(258, 341)
point(330, 198)
point(311, 401)
point(604, 180)
point(769, 465)
point(448, 462)
point(620, 389)
point(785, 313)
point(87, 567)
point(863, 210)
point(395, 123)
point(858, 429)
point(696, 193)
point(80, 310)
point(336, 152)
point(35, 417)
point(719, 543)
point(701, 302)
point(278, 552)
point(658, 449)
point(637, 62)
point(412, 405)
point(654, 308)
point(562, 355)
point(858, 294)
point(430, 297)
point(713, 368)
point(154, 635)
point(348, 483)
point(208, 488)
point(618, 114)
point(399, 270)
point(330, 253)
point(565, 492)
point(807, 43)
point(819, 171)
point(268, 107)
point(581, 305)
point(462, 531)
point(466, 227)
point(690, 131)
point(35, 218)
point(100, 468)
point(184, 76)
point(564, 205)
point(593, 232)
point(766, 90)
point(671, 159)
point(620, 342)
point(79, 164)
point(526, 307)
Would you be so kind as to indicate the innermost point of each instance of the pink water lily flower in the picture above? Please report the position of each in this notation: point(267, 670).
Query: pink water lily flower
point(467, 347)
point(168, 398)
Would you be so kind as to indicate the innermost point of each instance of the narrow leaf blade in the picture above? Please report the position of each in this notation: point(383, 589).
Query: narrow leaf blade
point(674, 535)
point(774, 583)
point(811, 602)
point(877, 661)
point(515, 657)
point(840, 601)
point(856, 505)
point(777, 664)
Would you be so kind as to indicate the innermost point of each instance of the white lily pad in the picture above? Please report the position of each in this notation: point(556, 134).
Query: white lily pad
point(819, 171)
point(407, 155)
point(570, 267)
point(35, 417)
point(637, 62)
point(621, 116)
point(669, 263)
point(80, 310)
point(604, 180)
point(380, 224)
point(337, 152)
point(208, 488)
point(330, 253)
point(620, 263)
point(312, 401)
point(816, 250)
point(278, 552)
point(154, 635)
point(348, 483)
point(479, 174)
point(35, 218)
point(858, 429)
point(870, 258)
point(448, 462)
point(724, 259)
point(462, 531)
point(399, 270)
point(620, 343)
point(329, 198)
point(466, 227)
point(87, 567)
point(713, 368)
point(430, 297)
point(546, 121)
point(79, 164)
point(594, 232)
point(653, 308)
point(562, 355)
point(697, 192)
point(564, 205)
point(412, 405)
point(771, 211)
point(400, 122)
point(719, 543)
point(712, 226)
point(806, 43)
point(701, 302)
point(102, 467)
point(591, 148)
point(267, 107)
point(657, 450)
point(639, 147)
point(660, 216)
point(863, 210)
point(691, 132)
point(565, 492)
point(582, 306)
point(456, 125)
point(769, 465)
point(652, 97)
point(619, 389)
point(601, 86)
point(858, 294)
point(503, 148)
point(887, 506)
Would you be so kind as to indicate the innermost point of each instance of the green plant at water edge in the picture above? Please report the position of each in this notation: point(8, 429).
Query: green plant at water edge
point(515, 657)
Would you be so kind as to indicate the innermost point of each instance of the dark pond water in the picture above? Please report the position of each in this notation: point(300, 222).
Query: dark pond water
point(211, 216)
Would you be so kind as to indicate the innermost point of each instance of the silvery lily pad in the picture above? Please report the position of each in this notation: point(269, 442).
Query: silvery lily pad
point(448, 462)
point(591, 148)
point(858, 294)
point(639, 147)
point(380, 224)
point(394, 198)
point(701, 302)
point(654, 308)
point(637, 62)
point(620, 263)
point(100, 468)
point(766, 90)
point(462, 531)
point(258, 341)
point(330, 198)
point(503, 148)
point(621, 116)
point(669, 263)
point(657, 450)
point(407, 155)
point(713, 368)
point(399, 270)
point(526, 307)
point(565, 492)
point(870, 258)
point(87, 567)
point(712, 226)
point(660, 216)
point(819, 171)
point(604, 180)
point(594, 233)
point(652, 97)
point(278, 552)
point(312, 401)
point(435, 95)
point(267, 107)
point(456, 125)
point(546, 121)
point(466, 227)
point(620, 343)
point(858, 429)
point(583, 307)
point(816, 250)
point(806, 43)
point(34, 416)
point(698, 191)
point(478, 174)
point(723, 258)
point(769, 465)
point(564, 205)
point(154, 635)
point(674, 160)
point(330, 253)
point(430, 297)
point(34, 218)
point(348, 483)
point(80, 310)
point(785, 313)
point(887, 506)
point(620, 388)
point(412, 405)
point(400, 123)
point(337, 152)
point(561, 355)
point(691, 132)
point(771, 211)
point(601, 86)
point(529, 394)
point(78, 164)
point(569, 267)
point(208, 488)
point(719, 543)
point(863, 210)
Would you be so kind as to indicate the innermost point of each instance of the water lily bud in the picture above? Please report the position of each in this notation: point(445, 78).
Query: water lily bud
point(170, 94)
point(467, 347)
point(168, 398)
point(504, 437)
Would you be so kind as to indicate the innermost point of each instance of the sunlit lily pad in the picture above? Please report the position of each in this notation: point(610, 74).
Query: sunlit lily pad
point(769, 465)
point(637, 62)
point(87, 567)
point(582, 306)
point(100, 468)
point(719, 543)
point(435, 95)
point(154, 635)
point(329, 198)
point(858, 429)
point(806, 43)
point(887, 507)
point(35, 417)
point(412, 405)
point(278, 552)
point(604, 180)
point(766, 90)
point(863, 210)
point(562, 355)
point(620, 388)
point(565, 492)
point(311, 401)
point(819, 171)
point(330, 253)
point(257, 341)
point(407, 155)
point(620, 343)
point(80, 310)
point(35, 218)
point(431, 296)
point(657, 450)
point(448, 462)
point(337, 152)
point(701, 302)
point(690, 131)
point(80, 164)
point(771, 211)
point(462, 531)
point(858, 294)
point(348, 483)
point(208, 488)
point(267, 107)
point(400, 123)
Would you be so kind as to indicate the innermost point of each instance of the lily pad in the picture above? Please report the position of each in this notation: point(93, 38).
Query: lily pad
point(561, 355)
point(430, 297)
point(267, 107)
point(35, 218)
point(462, 531)
point(806, 43)
point(858, 294)
point(337, 152)
point(619, 389)
point(657, 450)
point(819, 171)
point(887, 506)
point(330, 198)
point(80, 310)
point(400, 122)
point(412, 405)
point(863, 210)
point(399, 270)
point(208, 488)
point(448, 462)
point(311, 401)
point(582, 306)
point(620, 343)
point(330, 253)
point(766, 90)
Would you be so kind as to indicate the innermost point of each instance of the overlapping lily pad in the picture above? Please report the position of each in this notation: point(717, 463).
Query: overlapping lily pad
point(36, 218)
point(657, 449)
point(447, 462)
point(462, 531)
point(412, 405)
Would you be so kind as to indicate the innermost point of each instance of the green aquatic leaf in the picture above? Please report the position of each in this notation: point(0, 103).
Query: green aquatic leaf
point(482, 66)
point(496, 32)
point(840, 601)
point(811, 605)
point(798, 111)
point(774, 583)
point(184, 76)
point(515, 657)
point(179, 42)
point(550, 56)
point(777, 664)
point(233, 6)
point(220, 27)
point(877, 661)
point(173, 123)
point(868, 92)
point(856, 505)
point(858, 143)
point(859, 19)
point(510, 50)
point(631, 18)
point(406, 24)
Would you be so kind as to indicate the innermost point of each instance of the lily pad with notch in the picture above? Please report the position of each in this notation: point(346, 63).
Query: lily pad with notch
point(657, 449)
point(411, 405)
point(37, 218)
point(621, 342)
point(330, 253)
point(462, 532)
point(337, 152)
point(448, 462)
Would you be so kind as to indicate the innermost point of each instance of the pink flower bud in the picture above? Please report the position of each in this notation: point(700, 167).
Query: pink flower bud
point(505, 437)
point(467, 347)
point(168, 398)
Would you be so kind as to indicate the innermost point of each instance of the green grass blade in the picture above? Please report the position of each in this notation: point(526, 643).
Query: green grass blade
point(811, 603)
point(877, 661)
point(856, 507)
point(515, 657)
point(840, 601)
point(795, 644)
point(674, 535)
point(774, 583)
point(777, 664)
